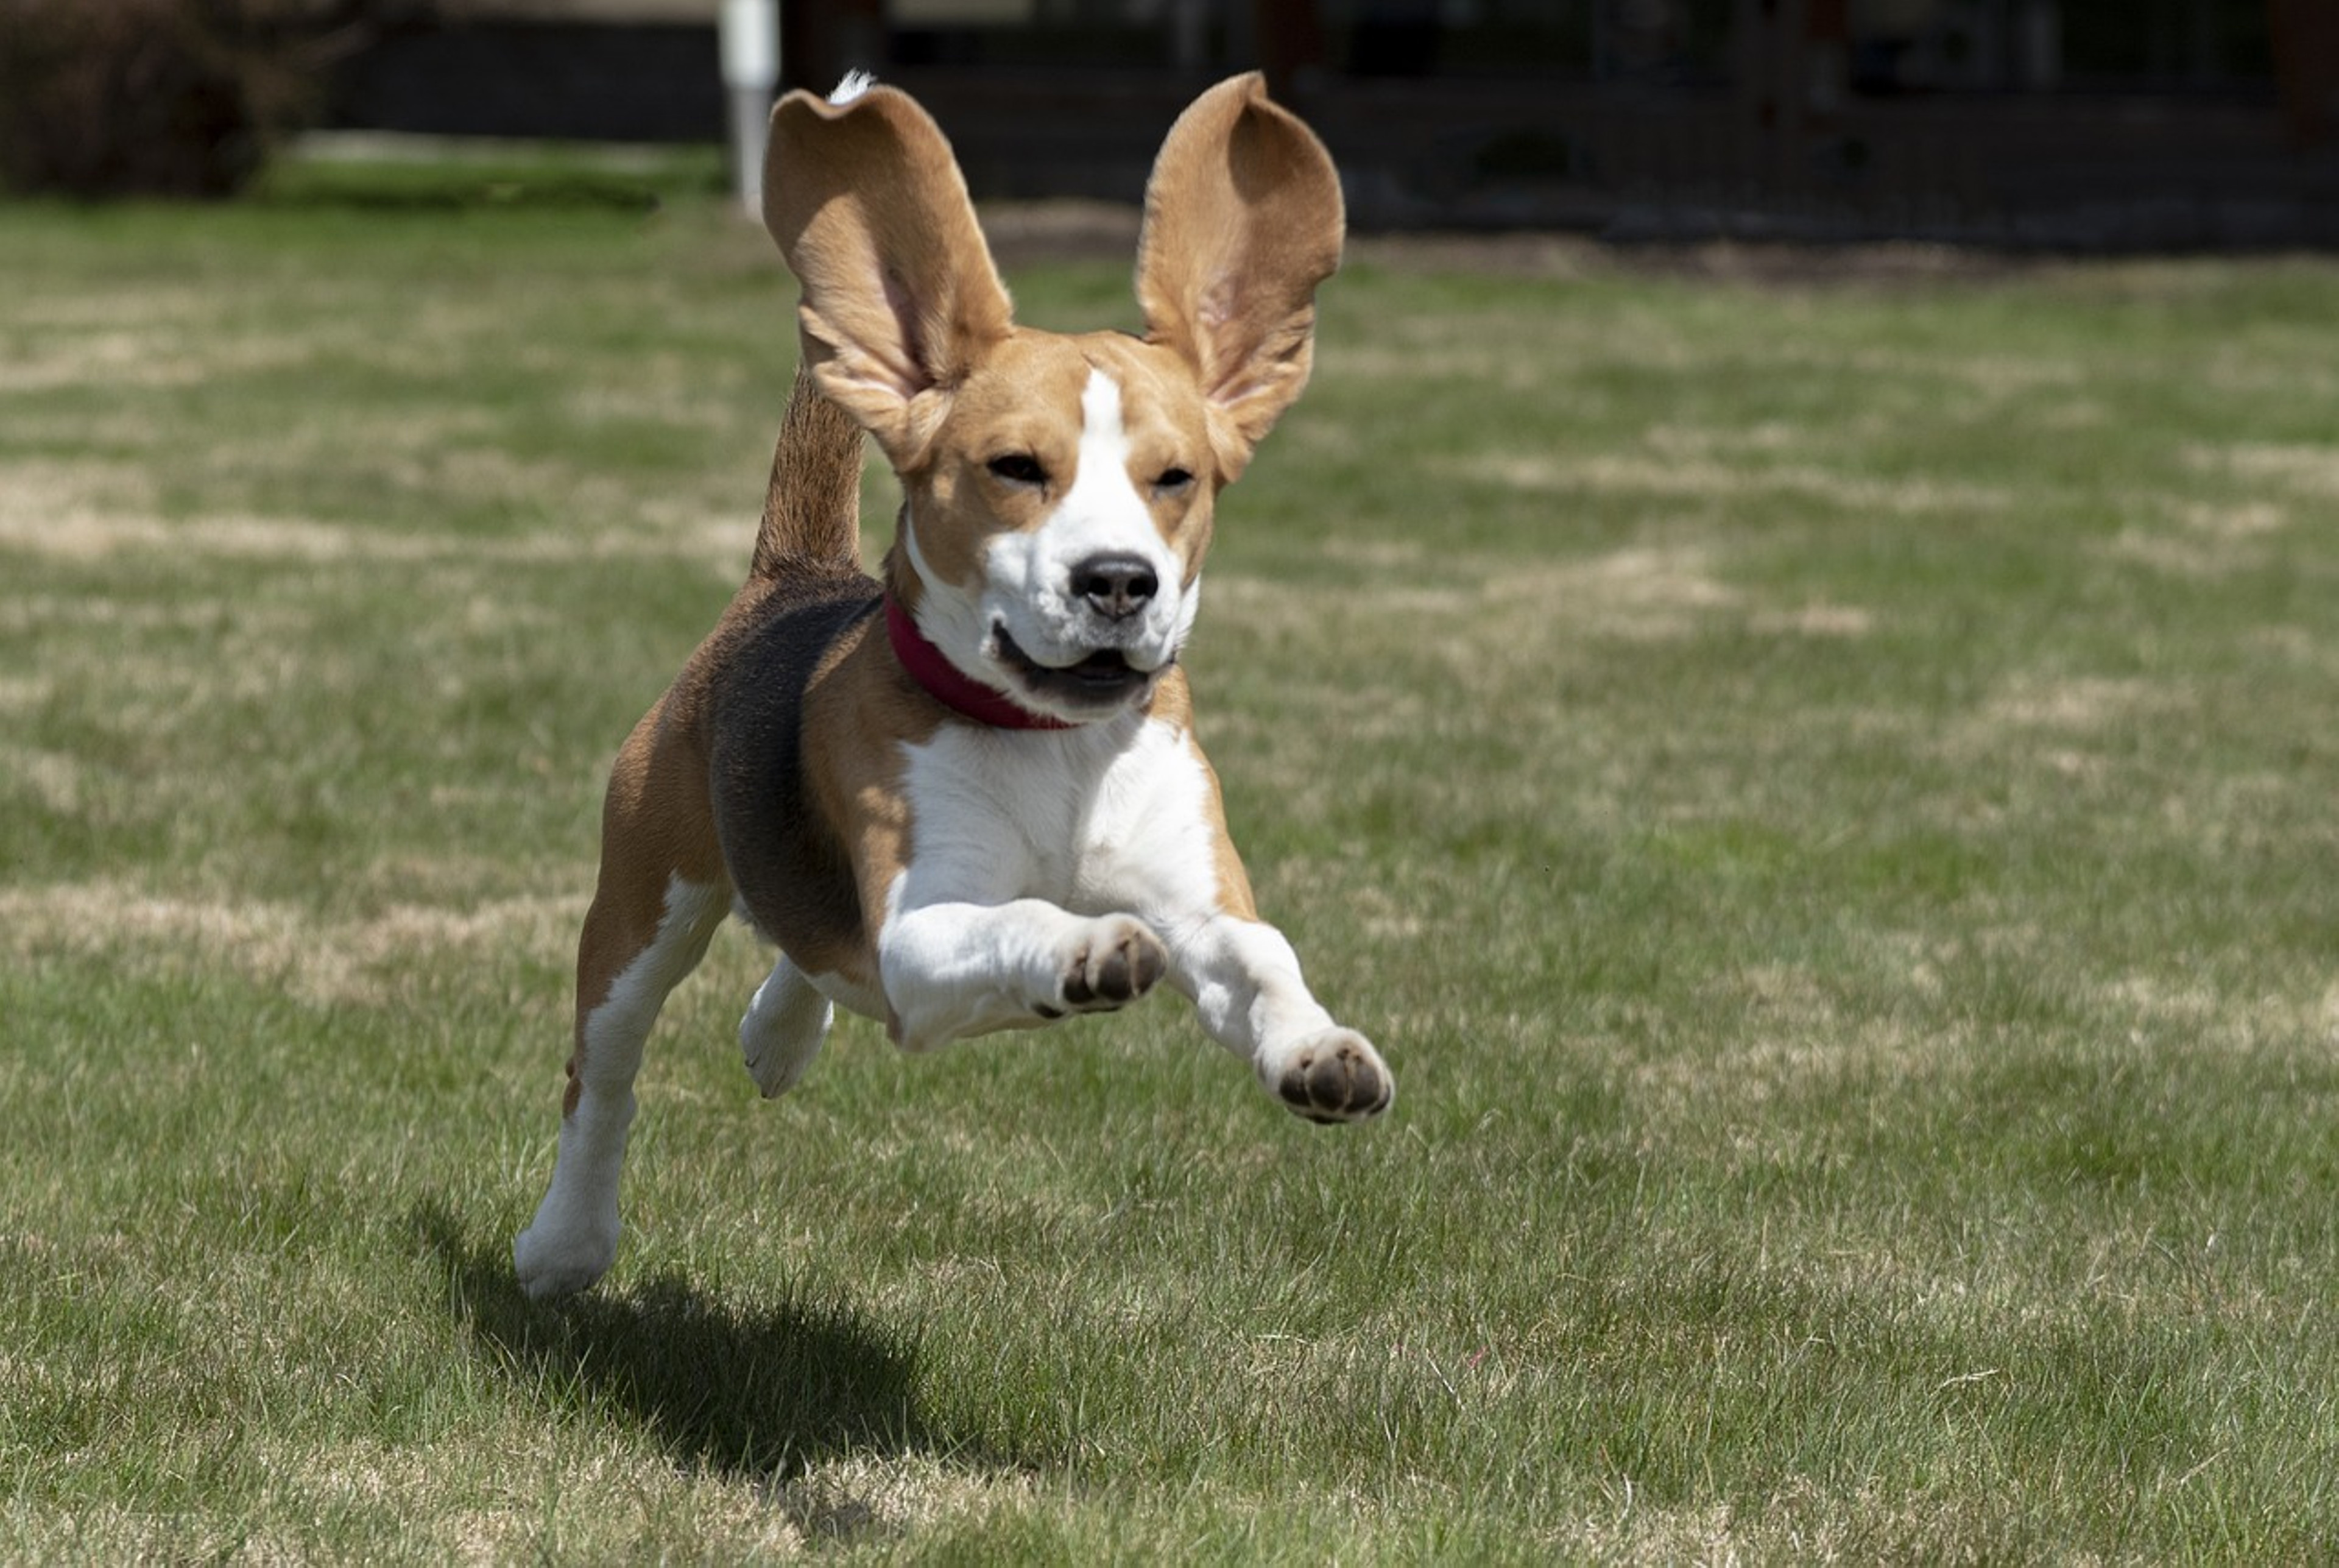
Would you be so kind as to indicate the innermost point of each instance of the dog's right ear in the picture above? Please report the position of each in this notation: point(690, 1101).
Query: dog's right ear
point(901, 299)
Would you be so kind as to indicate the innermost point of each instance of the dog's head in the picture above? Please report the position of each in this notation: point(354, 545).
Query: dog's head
point(1057, 490)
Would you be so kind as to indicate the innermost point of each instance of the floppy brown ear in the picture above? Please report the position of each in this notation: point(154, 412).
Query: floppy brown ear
point(900, 296)
point(1242, 221)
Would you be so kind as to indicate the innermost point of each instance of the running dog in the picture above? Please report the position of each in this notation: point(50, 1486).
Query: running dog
point(968, 797)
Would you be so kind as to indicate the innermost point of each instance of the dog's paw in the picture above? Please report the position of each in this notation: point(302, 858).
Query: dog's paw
point(554, 1260)
point(1115, 961)
point(1330, 1077)
point(783, 1031)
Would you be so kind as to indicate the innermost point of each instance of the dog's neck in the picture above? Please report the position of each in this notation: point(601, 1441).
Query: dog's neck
point(951, 687)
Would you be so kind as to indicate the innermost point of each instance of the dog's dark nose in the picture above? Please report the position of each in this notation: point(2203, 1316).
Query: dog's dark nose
point(1116, 586)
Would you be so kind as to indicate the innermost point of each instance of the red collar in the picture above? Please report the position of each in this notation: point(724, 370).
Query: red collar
point(951, 687)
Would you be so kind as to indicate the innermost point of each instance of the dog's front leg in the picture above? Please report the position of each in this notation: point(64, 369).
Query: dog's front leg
point(1246, 989)
point(954, 969)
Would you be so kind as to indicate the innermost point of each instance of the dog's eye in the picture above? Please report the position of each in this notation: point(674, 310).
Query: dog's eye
point(1019, 468)
point(1172, 479)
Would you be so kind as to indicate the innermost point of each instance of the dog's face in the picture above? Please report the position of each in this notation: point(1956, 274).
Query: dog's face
point(1057, 533)
point(1058, 491)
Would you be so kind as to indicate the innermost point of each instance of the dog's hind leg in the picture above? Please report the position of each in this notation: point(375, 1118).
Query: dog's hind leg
point(574, 1236)
point(660, 898)
point(783, 1030)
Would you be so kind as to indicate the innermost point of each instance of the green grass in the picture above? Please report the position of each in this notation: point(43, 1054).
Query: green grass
point(1823, 792)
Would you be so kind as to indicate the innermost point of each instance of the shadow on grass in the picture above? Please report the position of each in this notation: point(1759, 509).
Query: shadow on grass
point(757, 1392)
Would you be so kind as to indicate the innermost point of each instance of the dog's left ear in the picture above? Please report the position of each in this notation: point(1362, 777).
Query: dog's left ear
point(1242, 221)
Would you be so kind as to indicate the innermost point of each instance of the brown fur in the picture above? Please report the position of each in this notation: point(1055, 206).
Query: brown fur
point(1173, 705)
point(1231, 252)
point(931, 305)
point(812, 506)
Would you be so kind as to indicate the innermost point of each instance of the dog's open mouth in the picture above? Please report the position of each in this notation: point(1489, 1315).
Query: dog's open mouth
point(1104, 680)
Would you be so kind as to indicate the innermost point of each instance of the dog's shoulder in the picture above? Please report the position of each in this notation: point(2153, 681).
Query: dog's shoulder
point(775, 636)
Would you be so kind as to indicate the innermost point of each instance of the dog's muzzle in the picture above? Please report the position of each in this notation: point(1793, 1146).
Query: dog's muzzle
point(1097, 683)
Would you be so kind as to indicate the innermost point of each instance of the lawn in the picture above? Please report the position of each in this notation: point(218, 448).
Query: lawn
point(1820, 780)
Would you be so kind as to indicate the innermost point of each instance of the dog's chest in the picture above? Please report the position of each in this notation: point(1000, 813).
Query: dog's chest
point(1099, 819)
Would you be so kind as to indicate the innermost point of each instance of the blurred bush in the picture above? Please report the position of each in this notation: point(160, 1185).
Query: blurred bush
point(182, 98)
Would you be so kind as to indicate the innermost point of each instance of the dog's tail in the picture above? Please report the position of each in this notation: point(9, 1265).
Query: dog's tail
point(811, 510)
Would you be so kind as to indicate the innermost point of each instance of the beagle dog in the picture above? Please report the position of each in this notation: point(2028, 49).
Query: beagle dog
point(968, 797)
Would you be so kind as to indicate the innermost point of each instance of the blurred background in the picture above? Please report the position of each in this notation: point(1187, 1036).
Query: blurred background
point(2088, 124)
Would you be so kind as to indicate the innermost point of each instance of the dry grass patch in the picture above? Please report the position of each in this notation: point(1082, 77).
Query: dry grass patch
point(1995, 377)
point(1687, 476)
point(2063, 721)
point(273, 943)
point(2234, 519)
point(1826, 621)
point(2083, 703)
point(90, 511)
point(146, 359)
point(2311, 472)
point(891, 1495)
point(1479, 611)
point(59, 780)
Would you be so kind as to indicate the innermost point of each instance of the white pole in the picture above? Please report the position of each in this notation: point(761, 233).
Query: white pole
point(751, 73)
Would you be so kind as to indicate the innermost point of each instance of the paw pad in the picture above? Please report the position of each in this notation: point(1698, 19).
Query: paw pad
point(1336, 1081)
point(1120, 963)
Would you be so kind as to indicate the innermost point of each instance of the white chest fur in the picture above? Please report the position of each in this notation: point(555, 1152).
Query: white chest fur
point(1110, 816)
